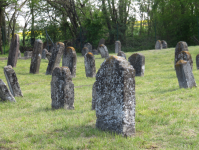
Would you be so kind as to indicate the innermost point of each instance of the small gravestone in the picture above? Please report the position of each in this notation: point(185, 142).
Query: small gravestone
point(84, 51)
point(89, 61)
point(70, 59)
point(36, 57)
point(158, 45)
point(102, 41)
point(103, 51)
point(197, 61)
point(55, 57)
point(121, 54)
point(137, 60)
point(12, 81)
point(184, 74)
point(117, 46)
point(44, 51)
point(181, 46)
point(13, 51)
point(89, 46)
point(62, 88)
point(115, 96)
point(95, 52)
point(28, 54)
point(93, 96)
point(186, 56)
point(48, 55)
point(19, 54)
point(5, 92)
point(164, 44)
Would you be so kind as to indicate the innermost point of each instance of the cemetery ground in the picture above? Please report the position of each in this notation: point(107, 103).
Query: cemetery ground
point(166, 115)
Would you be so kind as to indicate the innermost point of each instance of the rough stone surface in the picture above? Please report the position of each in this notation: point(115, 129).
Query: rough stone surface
point(164, 44)
point(137, 60)
point(158, 45)
point(89, 61)
point(95, 52)
point(62, 88)
point(89, 46)
point(13, 51)
point(103, 51)
point(55, 58)
point(184, 74)
point(44, 53)
point(117, 46)
point(185, 55)
point(36, 57)
point(93, 96)
point(12, 81)
point(115, 96)
point(197, 61)
point(102, 41)
point(28, 54)
point(5, 92)
point(181, 46)
point(70, 59)
point(48, 55)
point(84, 51)
point(19, 54)
point(121, 54)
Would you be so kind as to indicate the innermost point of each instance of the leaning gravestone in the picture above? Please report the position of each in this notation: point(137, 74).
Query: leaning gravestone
point(89, 46)
point(44, 51)
point(36, 56)
point(117, 46)
point(70, 59)
point(12, 81)
point(14, 50)
point(158, 45)
point(102, 41)
point(115, 96)
point(93, 96)
point(103, 51)
point(184, 74)
point(28, 54)
point(5, 92)
point(137, 60)
point(89, 61)
point(95, 52)
point(181, 46)
point(84, 51)
point(185, 55)
point(62, 88)
point(197, 61)
point(164, 44)
point(55, 57)
point(121, 54)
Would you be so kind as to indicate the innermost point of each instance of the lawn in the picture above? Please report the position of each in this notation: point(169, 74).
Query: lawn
point(166, 115)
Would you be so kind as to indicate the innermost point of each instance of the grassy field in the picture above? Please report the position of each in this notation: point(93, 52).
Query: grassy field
point(166, 116)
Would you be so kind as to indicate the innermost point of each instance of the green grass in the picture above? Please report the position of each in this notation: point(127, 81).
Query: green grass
point(166, 115)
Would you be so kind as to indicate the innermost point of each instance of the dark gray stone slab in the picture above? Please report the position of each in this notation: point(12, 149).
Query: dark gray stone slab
point(5, 93)
point(158, 45)
point(184, 74)
point(84, 51)
point(62, 88)
point(12, 81)
point(28, 54)
point(186, 56)
point(137, 60)
point(36, 57)
point(44, 51)
point(55, 58)
point(93, 96)
point(13, 51)
point(181, 46)
point(89, 61)
point(89, 46)
point(70, 59)
point(117, 46)
point(197, 62)
point(164, 44)
point(95, 52)
point(121, 54)
point(103, 51)
point(115, 96)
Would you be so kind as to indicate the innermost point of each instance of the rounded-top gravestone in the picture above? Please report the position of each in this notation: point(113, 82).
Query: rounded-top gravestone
point(89, 61)
point(89, 46)
point(122, 54)
point(84, 51)
point(117, 46)
point(181, 46)
point(103, 51)
point(158, 44)
point(164, 44)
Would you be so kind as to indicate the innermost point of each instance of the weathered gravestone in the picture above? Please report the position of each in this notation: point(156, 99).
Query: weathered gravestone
point(55, 57)
point(121, 54)
point(197, 61)
point(164, 44)
point(89, 46)
point(184, 74)
point(5, 92)
point(84, 51)
point(44, 51)
point(93, 96)
point(19, 54)
point(181, 46)
point(137, 60)
point(103, 51)
point(13, 51)
point(48, 55)
point(89, 61)
point(95, 52)
point(115, 96)
point(158, 45)
point(28, 54)
point(185, 55)
point(36, 56)
point(70, 59)
point(62, 88)
point(12, 81)
point(102, 41)
point(117, 46)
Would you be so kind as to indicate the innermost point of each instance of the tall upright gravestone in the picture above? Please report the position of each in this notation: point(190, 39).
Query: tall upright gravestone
point(44, 51)
point(12, 81)
point(185, 55)
point(158, 44)
point(164, 44)
point(89, 61)
point(117, 46)
point(115, 96)
point(14, 50)
point(103, 51)
point(94, 96)
point(36, 57)
point(62, 88)
point(181, 46)
point(70, 59)
point(137, 60)
point(102, 41)
point(197, 62)
point(89, 46)
point(84, 51)
point(55, 57)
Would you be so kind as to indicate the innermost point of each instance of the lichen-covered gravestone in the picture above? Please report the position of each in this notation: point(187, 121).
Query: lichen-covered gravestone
point(181, 46)
point(62, 88)
point(95, 52)
point(13, 51)
point(5, 92)
point(185, 55)
point(117, 46)
point(89, 46)
point(164, 44)
point(84, 51)
point(197, 61)
point(115, 96)
point(93, 96)
point(89, 61)
point(158, 45)
point(28, 54)
point(102, 41)
point(36, 57)
point(70, 59)
point(121, 54)
point(184, 74)
point(103, 51)
point(44, 51)
point(12, 81)
point(137, 60)
point(55, 57)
